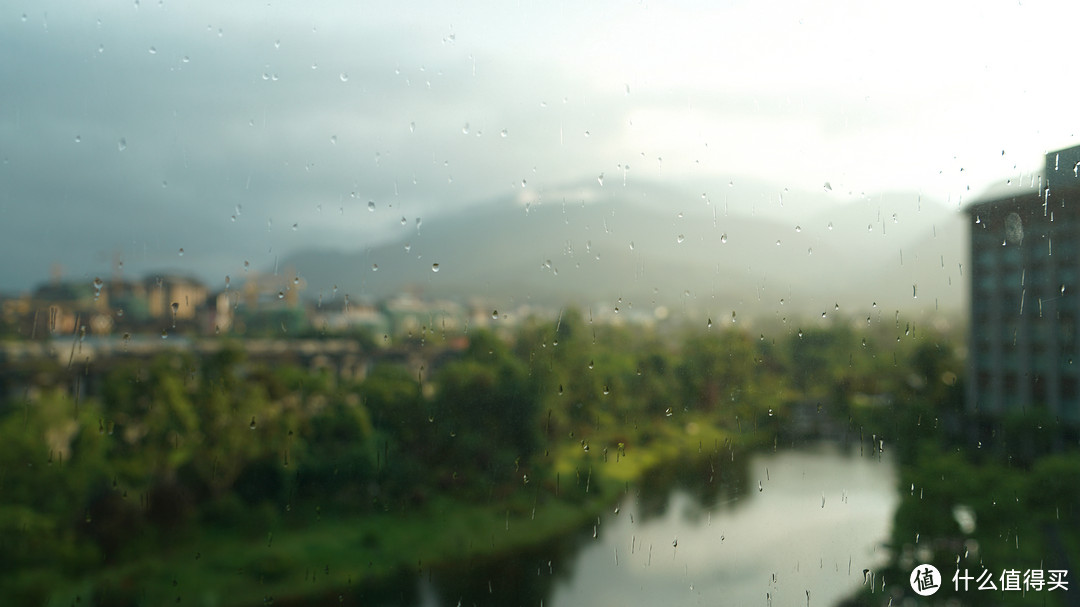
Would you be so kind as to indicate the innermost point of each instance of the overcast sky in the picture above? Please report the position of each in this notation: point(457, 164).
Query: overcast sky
point(240, 131)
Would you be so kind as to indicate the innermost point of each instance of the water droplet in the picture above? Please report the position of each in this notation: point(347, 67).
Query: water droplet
point(371, 206)
point(78, 139)
point(175, 307)
point(680, 238)
point(412, 127)
point(180, 252)
point(295, 226)
point(830, 226)
point(828, 186)
point(600, 179)
point(668, 412)
point(374, 267)
point(164, 334)
point(495, 314)
point(504, 133)
point(798, 228)
point(434, 267)
point(344, 77)
point(560, 390)
point(708, 324)
point(465, 129)
point(723, 239)
point(252, 424)
point(591, 365)
point(153, 51)
point(281, 294)
point(122, 144)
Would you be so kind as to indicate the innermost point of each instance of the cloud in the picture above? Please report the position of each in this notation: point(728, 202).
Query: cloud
point(301, 115)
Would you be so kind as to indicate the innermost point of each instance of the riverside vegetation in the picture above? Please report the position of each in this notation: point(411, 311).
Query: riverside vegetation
point(217, 480)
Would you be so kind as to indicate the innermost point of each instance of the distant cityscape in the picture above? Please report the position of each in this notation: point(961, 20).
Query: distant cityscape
point(262, 306)
point(1023, 338)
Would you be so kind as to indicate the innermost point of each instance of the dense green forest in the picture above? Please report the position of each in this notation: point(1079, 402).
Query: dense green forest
point(217, 476)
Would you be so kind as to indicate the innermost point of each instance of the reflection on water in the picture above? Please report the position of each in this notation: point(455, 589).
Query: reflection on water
point(795, 527)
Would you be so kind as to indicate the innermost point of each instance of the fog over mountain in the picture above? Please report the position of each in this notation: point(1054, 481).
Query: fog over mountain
point(639, 248)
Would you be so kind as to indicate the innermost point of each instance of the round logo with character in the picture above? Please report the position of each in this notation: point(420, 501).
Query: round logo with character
point(925, 579)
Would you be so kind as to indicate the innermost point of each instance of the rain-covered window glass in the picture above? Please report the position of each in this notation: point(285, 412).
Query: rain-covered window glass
point(538, 303)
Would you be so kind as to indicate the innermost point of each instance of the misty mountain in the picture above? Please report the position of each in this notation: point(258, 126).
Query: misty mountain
point(638, 249)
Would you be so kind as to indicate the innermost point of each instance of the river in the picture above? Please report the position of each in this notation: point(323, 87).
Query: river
point(794, 527)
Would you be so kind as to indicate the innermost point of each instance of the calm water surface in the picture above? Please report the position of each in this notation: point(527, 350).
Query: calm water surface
point(818, 520)
point(794, 527)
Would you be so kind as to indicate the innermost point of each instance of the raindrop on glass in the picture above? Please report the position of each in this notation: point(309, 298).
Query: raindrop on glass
point(434, 267)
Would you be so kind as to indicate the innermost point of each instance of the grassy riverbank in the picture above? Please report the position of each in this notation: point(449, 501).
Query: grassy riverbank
point(307, 552)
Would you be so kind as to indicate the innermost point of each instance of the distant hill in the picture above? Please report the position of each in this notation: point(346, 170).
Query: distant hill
point(641, 249)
